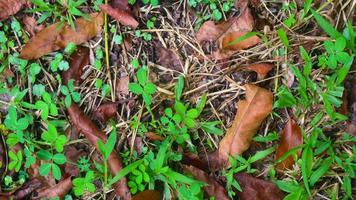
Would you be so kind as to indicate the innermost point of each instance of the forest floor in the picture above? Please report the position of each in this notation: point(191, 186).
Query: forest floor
point(191, 99)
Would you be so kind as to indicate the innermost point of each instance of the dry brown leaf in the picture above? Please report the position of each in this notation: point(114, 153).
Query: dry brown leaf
point(257, 189)
point(105, 111)
point(59, 190)
point(53, 37)
point(153, 136)
point(31, 25)
point(291, 137)
point(93, 134)
point(351, 128)
point(26, 189)
point(122, 87)
point(148, 195)
point(120, 15)
point(123, 4)
point(168, 58)
point(251, 112)
point(78, 60)
point(213, 189)
point(11, 7)
point(261, 69)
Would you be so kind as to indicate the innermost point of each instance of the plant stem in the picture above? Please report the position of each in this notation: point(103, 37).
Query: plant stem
point(106, 40)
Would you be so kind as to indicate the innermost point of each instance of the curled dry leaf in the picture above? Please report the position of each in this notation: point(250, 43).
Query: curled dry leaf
point(227, 32)
point(93, 134)
point(251, 112)
point(261, 69)
point(54, 37)
point(257, 189)
point(105, 111)
point(78, 60)
point(59, 190)
point(120, 15)
point(168, 58)
point(26, 189)
point(213, 189)
point(148, 195)
point(11, 7)
point(31, 25)
point(291, 137)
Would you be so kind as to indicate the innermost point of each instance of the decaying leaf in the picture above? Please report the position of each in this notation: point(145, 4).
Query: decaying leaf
point(226, 33)
point(105, 111)
point(148, 195)
point(93, 134)
point(26, 189)
point(168, 58)
point(54, 37)
point(31, 25)
point(251, 112)
point(122, 87)
point(261, 69)
point(257, 189)
point(11, 7)
point(351, 128)
point(213, 189)
point(291, 137)
point(120, 15)
point(78, 60)
point(153, 136)
point(59, 190)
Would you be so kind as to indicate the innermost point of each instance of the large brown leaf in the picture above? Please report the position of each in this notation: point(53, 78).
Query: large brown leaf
point(11, 7)
point(213, 188)
point(120, 15)
point(105, 111)
point(93, 134)
point(291, 137)
point(257, 189)
point(78, 60)
point(261, 69)
point(59, 190)
point(148, 195)
point(26, 189)
point(251, 112)
point(54, 37)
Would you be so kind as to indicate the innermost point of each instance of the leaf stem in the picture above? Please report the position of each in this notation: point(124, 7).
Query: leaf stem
point(106, 40)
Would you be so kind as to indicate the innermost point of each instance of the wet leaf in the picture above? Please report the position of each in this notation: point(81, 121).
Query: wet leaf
point(257, 189)
point(31, 25)
point(148, 195)
point(213, 188)
point(78, 60)
point(251, 112)
point(105, 111)
point(93, 134)
point(55, 36)
point(59, 190)
point(11, 7)
point(120, 15)
point(261, 69)
point(291, 137)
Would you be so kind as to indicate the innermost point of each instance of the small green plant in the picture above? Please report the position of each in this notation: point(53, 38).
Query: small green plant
point(81, 185)
point(16, 160)
point(83, 164)
point(47, 106)
point(52, 137)
point(18, 125)
point(53, 160)
point(146, 2)
point(70, 93)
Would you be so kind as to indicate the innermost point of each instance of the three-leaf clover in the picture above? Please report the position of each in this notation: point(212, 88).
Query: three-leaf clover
point(143, 87)
point(14, 124)
point(51, 136)
point(16, 160)
point(80, 185)
point(46, 168)
point(336, 53)
point(70, 93)
point(46, 106)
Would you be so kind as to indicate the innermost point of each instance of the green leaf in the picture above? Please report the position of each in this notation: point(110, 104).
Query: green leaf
point(44, 155)
point(68, 101)
point(142, 76)
point(210, 127)
point(56, 172)
point(192, 113)
point(60, 142)
point(150, 88)
point(45, 168)
point(326, 26)
point(307, 164)
point(307, 5)
point(283, 37)
point(76, 97)
point(59, 158)
point(123, 172)
point(261, 154)
point(135, 88)
point(64, 90)
point(244, 37)
point(324, 167)
point(110, 143)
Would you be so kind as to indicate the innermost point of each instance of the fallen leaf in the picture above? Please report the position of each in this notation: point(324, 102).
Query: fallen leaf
point(213, 188)
point(122, 87)
point(93, 134)
point(250, 114)
point(59, 190)
point(257, 189)
point(123, 4)
point(54, 37)
point(120, 15)
point(351, 128)
point(153, 136)
point(11, 7)
point(225, 34)
point(261, 69)
point(194, 160)
point(78, 60)
point(31, 25)
point(168, 58)
point(73, 155)
point(26, 189)
point(291, 137)
point(148, 195)
point(105, 111)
